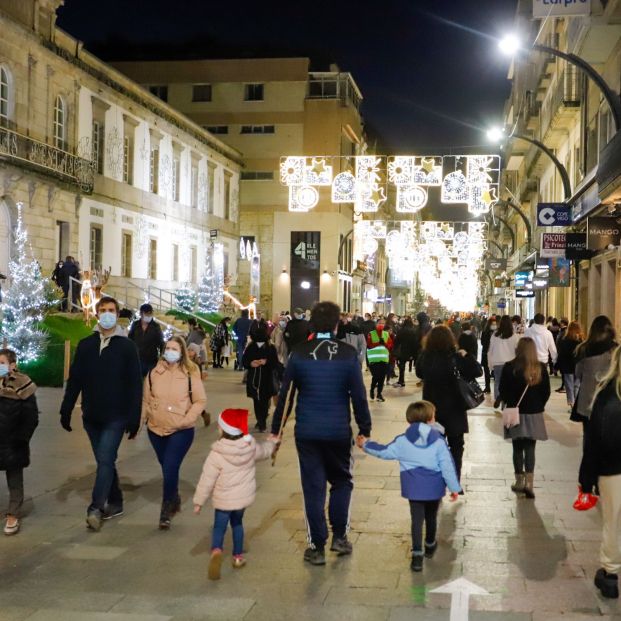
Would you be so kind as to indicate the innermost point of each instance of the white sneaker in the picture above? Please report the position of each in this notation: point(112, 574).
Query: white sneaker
point(13, 529)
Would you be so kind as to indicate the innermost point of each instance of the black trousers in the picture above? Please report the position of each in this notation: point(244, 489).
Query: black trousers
point(261, 412)
point(402, 364)
point(524, 455)
point(456, 446)
point(378, 373)
point(323, 462)
point(487, 373)
point(423, 512)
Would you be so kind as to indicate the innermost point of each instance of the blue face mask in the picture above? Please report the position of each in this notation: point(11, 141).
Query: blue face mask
point(4, 370)
point(107, 320)
point(172, 356)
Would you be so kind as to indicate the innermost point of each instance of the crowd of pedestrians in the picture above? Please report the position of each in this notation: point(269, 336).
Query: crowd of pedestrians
point(318, 361)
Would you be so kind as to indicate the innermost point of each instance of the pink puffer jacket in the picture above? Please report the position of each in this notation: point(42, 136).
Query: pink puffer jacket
point(229, 473)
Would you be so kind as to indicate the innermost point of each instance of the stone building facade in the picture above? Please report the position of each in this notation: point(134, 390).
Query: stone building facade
point(106, 171)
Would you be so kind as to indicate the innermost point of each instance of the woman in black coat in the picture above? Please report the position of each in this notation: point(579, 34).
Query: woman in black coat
point(405, 347)
point(436, 366)
point(19, 417)
point(261, 359)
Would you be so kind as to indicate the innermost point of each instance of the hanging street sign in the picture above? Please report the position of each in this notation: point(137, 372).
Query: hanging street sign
point(496, 264)
point(576, 246)
point(561, 8)
point(213, 233)
point(524, 293)
point(553, 214)
point(603, 232)
point(553, 245)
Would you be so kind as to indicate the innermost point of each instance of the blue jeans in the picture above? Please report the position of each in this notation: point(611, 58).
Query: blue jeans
point(105, 440)
point(572, 384)
point(170, 451)
point(497, 374)
point(220, 522)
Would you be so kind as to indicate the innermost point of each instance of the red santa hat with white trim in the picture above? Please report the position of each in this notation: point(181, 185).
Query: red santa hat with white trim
point(235, 422)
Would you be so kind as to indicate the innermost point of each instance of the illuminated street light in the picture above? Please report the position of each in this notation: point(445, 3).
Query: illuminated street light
point(495, 134)
point(510, 45)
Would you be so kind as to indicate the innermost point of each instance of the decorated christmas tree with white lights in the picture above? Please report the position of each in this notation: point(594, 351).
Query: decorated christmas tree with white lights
point(24, 302)
point(185, 298)
point(209, 291)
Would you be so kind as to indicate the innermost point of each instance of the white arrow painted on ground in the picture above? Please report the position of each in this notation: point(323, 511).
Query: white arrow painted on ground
point(460, 590)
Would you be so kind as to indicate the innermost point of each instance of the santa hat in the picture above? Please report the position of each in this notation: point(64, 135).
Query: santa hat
point(234, 422)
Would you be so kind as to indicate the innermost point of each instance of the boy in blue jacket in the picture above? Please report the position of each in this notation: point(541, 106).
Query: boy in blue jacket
point(427, 469)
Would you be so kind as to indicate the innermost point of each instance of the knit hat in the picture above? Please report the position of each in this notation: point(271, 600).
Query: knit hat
point(234, 422)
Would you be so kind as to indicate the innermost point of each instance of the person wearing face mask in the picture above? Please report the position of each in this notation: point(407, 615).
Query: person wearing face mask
point(261, 360)
point(19, 417)
point(278, 338)
point(106, 370)
point(486, 336)
point(148, 337)
point(173, 399)
point(297, 330)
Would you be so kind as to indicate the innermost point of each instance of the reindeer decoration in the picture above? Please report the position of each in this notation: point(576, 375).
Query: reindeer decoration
point(90, 293)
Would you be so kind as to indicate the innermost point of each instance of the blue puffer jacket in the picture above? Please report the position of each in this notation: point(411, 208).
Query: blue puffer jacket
point(327, 377)
point(426, 464)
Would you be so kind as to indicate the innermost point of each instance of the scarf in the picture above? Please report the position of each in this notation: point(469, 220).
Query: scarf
point(16, 385)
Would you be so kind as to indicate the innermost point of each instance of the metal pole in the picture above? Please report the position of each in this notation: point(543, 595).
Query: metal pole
point(510, 232)
point(611, 97)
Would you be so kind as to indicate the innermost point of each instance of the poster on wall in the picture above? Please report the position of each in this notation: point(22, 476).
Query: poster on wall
point(559, 272)
point(305, 263)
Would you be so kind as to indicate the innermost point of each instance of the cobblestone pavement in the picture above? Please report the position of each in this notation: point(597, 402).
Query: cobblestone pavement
point(535, 559)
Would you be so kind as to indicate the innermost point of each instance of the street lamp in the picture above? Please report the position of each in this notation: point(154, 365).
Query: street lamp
point(511, 45)
point(495, 134)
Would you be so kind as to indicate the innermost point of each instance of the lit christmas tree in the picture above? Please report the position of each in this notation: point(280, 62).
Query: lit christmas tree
point(24, 302)
point(211, 285)
point(185, 298)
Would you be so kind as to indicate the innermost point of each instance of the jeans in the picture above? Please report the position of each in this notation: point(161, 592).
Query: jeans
point(524, 455)
point(220, 522)
point(423, 511)
point(378, 373)
point(170, 451)
point(15, 483)
point(105, 440)
point(497, 376)
point(456, 446)
point(323, 462)
point(261, 412)
point(572, 384)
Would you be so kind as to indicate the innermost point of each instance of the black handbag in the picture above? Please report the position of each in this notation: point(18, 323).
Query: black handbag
point(471, 393)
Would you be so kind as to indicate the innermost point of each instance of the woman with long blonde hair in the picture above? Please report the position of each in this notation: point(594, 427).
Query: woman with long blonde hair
point(173, 399)
point(525, 384)
point(601, 468)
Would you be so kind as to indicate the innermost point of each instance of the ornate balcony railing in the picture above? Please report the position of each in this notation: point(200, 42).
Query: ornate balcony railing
point(46, 159)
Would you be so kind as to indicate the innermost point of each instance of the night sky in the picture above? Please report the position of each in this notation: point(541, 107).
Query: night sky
point(428, 69)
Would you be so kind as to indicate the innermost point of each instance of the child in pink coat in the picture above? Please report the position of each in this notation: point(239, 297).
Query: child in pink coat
point(229, 477)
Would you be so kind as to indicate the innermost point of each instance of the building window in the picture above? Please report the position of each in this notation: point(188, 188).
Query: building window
point(63, 239)
point(249, 175)
point(175, 262)
point(257, 129)
point(5, 97)
point(211, 187)
point(227, 196)
point(153, 259)
point(253, 92)
point(154, 169)
point(217, 129)
point(194, 185)
point(60, 124)
point(96, 247)
point(159, 90)
point(193, 264)
point(175, 179)
point(98, 145)
point(201, 92)
point(126, 255)
point(128, 159)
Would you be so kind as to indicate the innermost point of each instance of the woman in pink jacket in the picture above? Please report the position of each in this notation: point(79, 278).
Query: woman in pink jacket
point(229, 477)
point(173, 398)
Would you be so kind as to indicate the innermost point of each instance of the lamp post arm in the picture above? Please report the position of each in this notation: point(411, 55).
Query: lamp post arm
point(502, 252)
point(561, 169)
point(514, 205)
point(611, 97)
point(510, 232)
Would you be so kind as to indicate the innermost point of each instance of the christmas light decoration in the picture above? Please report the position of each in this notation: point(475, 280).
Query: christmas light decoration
point(411, 199)
point(185, 298)
point(24, 301)
point(344, 188)
point(209, 292)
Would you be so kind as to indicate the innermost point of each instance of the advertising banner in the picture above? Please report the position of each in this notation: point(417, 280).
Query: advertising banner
point(553, 214)
point(576, 246)
point(559, 272)
point(561, 8)
point(603, 232)
point(496, 264)
point(305, 258)
point(553, 245)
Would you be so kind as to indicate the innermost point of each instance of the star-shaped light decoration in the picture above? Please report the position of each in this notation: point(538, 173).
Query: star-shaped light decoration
point(489, 197)
point(378, 194)
point(318, 166)
point(428, 164)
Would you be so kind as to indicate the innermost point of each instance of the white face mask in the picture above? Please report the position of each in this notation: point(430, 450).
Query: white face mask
point(172, 355)
point(282, 324)
point(147, 318)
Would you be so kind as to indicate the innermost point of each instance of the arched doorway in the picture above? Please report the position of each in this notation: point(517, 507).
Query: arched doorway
point(5, 238)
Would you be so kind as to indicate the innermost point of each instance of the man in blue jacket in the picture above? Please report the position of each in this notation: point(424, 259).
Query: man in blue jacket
point(241, 327)
point(326, 374)
point(106, 370)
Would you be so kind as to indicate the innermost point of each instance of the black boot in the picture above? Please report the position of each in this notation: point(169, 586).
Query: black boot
point(165, 515)
point(175, 505)
point(608, 584)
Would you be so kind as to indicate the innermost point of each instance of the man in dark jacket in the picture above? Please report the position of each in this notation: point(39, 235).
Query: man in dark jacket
point(106, 370)
point(241, 327)
point(68, 271)
point(148, 337)
point(468, 341)
point(327, 376)
point(297, 330)
point(405, 348)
